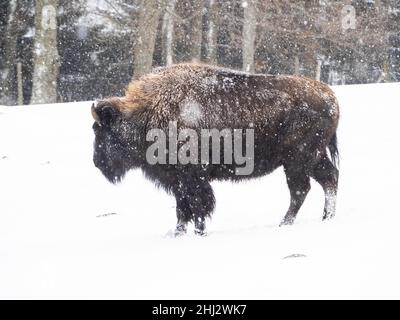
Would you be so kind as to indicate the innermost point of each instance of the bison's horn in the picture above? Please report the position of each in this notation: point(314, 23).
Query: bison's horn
point(95, 115)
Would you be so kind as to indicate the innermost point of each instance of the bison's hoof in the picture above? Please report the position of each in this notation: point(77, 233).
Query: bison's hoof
point(201, 233)
point(328, 217)
point(179, 231)
point(286, 223)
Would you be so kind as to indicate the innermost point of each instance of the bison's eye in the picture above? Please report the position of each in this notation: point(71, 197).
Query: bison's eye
point(108, 115)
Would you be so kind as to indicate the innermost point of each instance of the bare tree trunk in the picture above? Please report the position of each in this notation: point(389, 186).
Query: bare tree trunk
point(168, 33)
point(296, 64)
point(211, 42)
point(46, 62)
point(385, 57)
point(20, 89)
point(196, 30)
point(8, 94)
point(318, 70)
point(148, 20)
point(249, 35)
point(309, 63)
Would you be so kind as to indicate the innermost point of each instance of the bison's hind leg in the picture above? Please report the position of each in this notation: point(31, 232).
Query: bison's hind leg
point(299, 185)
point(326, 174)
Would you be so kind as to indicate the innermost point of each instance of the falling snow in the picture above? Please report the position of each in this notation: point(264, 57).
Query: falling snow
point(191, 112)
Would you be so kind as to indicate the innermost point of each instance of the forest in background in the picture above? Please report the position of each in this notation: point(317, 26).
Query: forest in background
point(61, 51)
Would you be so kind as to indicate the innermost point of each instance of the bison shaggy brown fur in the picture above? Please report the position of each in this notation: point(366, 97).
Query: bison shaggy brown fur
point(294, 121)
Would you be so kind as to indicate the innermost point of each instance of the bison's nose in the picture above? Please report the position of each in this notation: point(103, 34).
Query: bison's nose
point(98, 162)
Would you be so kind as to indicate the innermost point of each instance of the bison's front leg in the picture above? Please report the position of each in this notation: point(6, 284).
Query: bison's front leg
point(195, 202)
point(183, 214)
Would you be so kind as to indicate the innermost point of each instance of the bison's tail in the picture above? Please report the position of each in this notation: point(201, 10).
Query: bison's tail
point(334, 151)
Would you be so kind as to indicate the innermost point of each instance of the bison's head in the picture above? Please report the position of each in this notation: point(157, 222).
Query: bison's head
point(114, 145)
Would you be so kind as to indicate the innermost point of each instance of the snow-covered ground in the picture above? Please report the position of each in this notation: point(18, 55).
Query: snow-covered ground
point(66, 233)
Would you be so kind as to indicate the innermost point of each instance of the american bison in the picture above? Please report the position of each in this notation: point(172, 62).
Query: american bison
point(279, 120)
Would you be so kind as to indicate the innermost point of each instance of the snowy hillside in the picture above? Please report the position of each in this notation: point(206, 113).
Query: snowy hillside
point(65, 232)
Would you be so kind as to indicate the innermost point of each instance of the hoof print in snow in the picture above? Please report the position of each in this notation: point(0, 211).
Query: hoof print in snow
point(4, 157)
point(106, 215)
point(45, 163)
point(295, 255)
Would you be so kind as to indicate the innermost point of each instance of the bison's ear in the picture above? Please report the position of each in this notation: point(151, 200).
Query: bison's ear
point(105, 113)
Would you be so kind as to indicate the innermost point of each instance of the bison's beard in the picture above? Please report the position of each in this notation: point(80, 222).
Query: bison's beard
point(114, 171)
point(113, 175)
